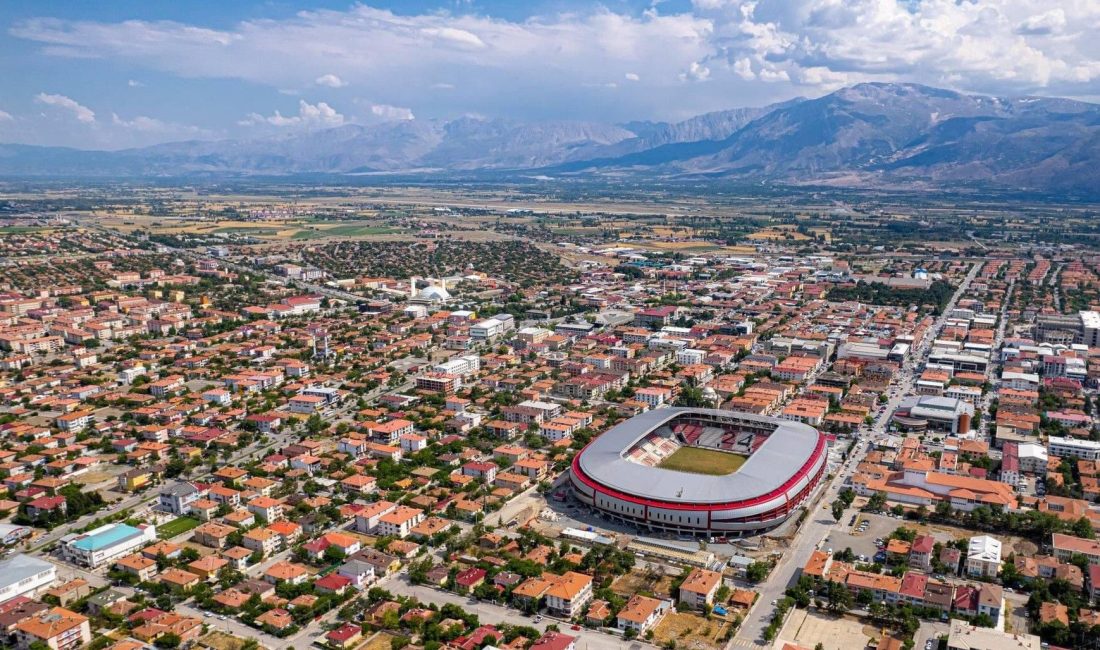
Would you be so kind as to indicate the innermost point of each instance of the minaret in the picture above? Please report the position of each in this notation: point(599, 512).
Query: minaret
point(412, 287)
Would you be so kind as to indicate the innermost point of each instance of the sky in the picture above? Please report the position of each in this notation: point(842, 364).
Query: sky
point(114, 74)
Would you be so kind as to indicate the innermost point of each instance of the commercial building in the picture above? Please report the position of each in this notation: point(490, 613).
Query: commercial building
point(964, 636)
point(1073, 448)
point(943, 414)
point(106, 544)
point(24, 575)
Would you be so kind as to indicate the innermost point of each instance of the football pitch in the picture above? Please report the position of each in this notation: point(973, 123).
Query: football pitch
point(703, 461)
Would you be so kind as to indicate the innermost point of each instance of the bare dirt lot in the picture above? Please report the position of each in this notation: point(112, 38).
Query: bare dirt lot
point(834, 632)
point(690, 631)
point(643, 581)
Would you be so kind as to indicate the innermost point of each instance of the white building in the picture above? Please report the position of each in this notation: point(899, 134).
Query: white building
point(399, 522)
point(487, 330)
point(690, 356)
point(24, 575)
point(1073, 448)
point(106, 544)
point(462, 366)
point(983, 556)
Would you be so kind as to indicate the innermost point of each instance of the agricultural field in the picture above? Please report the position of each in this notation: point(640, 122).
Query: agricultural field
point(703, 461)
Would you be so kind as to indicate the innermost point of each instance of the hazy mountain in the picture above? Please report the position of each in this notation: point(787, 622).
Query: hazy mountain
point(896, 133)
point(870, 134)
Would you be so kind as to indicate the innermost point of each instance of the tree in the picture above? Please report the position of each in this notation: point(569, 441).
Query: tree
point(838, 510)
point(168, 641)
point(756, 572)
point(876, 502)
point(838, 598)
point(693, 396)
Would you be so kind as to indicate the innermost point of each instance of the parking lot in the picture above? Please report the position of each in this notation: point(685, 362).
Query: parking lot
point(862, 543)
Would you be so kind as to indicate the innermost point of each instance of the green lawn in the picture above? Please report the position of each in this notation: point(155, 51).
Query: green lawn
point(177, 526)
point(703, 461)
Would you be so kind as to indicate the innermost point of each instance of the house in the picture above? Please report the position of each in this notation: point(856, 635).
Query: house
point(277, 619)
point(369, 518)
point(212, 534)
point(920, 553)
point(346, 544)
point(360, 573)
point(178, 497)
point(333, 583)
point(179, 580)
point(138, 565)
point(640, 614)
point(554, 641)
point(990, 600)
point(286, 572)
point(345, 636)
point(262, 540)
point(266, 508)
point(698, 589)
point(58, 628)
point(468, 579)
point(400, 521)
point(569, 593)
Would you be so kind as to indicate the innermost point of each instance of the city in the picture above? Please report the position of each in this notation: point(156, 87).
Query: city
point(220, 434)
point(550, 325)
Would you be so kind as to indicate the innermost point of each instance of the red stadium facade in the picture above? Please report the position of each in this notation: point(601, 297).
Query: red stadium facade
point(787, 461)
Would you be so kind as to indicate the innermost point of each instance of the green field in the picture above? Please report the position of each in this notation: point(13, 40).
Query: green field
point(177, 526)
point(346, 230)
point(703, 461)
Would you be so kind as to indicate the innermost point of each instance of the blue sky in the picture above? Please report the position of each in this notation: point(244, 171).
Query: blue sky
point(114, 74)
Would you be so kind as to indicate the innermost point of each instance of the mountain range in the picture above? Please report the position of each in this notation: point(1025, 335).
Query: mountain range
point(868, 135)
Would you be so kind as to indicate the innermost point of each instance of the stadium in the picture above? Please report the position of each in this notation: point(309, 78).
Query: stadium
point(693, 471)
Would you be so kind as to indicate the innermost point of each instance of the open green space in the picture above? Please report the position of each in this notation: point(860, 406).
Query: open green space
point(177, 526)
point(703, 461)
point(347, 230)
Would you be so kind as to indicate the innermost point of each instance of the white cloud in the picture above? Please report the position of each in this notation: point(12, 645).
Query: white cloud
point(505, 67)
point(309, 115)
point(747, 52)
point(330, 80)
point(696, 72)
point(133, 83)
point(743, 68)
point(80, 112)
point(391, 113)
point(1000, 46)
point(5, 116)
point(454, 37)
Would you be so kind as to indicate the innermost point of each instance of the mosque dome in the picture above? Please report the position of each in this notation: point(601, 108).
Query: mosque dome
point(434, 293)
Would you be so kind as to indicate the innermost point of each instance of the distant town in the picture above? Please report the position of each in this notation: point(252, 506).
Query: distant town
point(375, 418)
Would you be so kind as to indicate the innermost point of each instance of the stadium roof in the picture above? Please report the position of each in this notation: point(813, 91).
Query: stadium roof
point(768, 469)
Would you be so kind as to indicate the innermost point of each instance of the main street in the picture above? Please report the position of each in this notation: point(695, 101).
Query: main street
point(488, 612)
point(819, 520)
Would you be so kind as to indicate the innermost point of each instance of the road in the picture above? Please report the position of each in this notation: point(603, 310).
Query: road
point(132, 502)
point(819, 520)
point(492, 613)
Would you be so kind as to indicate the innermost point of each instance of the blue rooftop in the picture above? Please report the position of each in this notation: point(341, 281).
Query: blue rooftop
point(105, 538)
